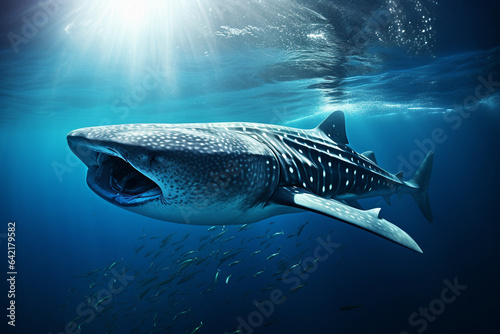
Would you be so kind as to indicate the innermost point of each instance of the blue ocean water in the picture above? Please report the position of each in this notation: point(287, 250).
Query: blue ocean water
point(411, 76)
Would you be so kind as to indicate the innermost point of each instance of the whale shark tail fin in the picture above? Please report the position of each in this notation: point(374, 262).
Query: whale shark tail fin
point(421, 181)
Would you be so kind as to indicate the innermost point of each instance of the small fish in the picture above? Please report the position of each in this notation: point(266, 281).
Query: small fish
point(277, 233)
point(256, 252)
point(188, 261)
point(182, 240)
point(166, 240)
point(102, 299)
point(149, 253)
point(186, 278)
point(211, 228)
point(204, 237)
point(161, 291)
point(159, 252)
point(90, 273)
point(196, 329)
point(295, 288)
point(215, 252)
point(295, 265)
point(229, 239)
point(147, 280)
point(312, 265)
point(301, 228)
point(219, 235)
point(258, 273)
point(244, 226)
point(217, 275)
point(188, 252)
point(350, 307)
point(205, 244)
point(138, 249)
point(272, 255)
point(168, 280)
point(291, 235)
point(202, 260)
point(181, 313)
point(227, 279)
point(144, 293)
point(267, 324)
point(268, 287)
point(233, 263)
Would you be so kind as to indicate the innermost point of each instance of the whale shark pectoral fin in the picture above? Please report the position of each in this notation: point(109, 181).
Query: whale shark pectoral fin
point(366, 219)
point(334, 127)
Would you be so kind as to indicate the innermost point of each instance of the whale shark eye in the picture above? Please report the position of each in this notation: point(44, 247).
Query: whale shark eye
point(152, 158)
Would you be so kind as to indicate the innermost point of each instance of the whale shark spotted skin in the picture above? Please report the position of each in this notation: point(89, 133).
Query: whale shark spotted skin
point(238, 173)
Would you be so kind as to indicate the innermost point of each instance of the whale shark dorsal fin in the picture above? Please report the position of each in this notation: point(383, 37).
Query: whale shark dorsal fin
point(370, 155)
point(368, 220)
point(333, 127)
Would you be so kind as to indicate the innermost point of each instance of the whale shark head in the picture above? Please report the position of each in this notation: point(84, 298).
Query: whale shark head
point(184, 173)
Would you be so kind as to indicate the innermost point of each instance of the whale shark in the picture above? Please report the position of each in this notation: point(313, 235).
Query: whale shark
point(240, 173)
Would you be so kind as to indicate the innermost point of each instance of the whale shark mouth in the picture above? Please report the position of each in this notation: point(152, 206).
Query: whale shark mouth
point(117, 181)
